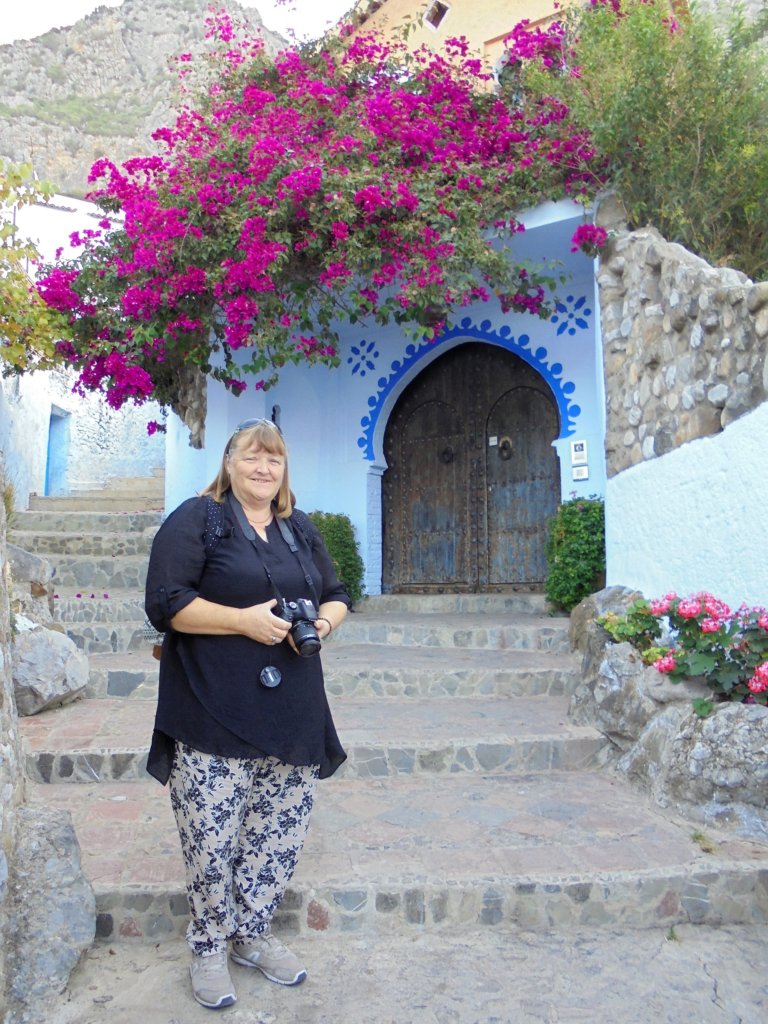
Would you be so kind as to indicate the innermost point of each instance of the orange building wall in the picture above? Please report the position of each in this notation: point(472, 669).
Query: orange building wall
point(485, 23)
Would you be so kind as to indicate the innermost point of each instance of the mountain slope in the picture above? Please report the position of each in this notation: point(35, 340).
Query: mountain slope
point(100, 87)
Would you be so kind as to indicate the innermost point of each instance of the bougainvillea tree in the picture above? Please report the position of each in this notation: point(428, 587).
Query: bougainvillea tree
point(347, 180)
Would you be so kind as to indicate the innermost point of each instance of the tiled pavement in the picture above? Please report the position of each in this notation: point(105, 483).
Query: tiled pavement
point(468, 799)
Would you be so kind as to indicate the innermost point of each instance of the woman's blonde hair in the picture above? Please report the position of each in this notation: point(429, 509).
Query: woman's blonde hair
point(265, 435)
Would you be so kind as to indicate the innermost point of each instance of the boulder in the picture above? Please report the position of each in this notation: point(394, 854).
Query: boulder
point(53, 912)
point(48, 669)
point(31, 591)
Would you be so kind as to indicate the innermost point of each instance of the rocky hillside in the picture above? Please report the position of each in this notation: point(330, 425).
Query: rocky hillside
point(100, 87)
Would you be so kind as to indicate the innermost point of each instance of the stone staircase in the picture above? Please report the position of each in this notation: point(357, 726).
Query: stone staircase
point(468, 797)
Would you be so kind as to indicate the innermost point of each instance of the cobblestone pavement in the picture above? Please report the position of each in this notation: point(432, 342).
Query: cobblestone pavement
point(687, 976)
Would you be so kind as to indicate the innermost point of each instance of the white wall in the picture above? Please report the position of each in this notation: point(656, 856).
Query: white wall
point(696, 518)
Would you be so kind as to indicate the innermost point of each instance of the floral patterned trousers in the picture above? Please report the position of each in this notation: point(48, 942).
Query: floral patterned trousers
point(242, 824)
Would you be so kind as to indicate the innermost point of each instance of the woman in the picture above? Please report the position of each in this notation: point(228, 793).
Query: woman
point(243, 728)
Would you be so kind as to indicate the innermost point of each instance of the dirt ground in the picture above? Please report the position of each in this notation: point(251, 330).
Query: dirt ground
point(689, 976)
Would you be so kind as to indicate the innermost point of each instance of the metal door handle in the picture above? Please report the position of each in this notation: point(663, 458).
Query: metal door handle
point(505, 449)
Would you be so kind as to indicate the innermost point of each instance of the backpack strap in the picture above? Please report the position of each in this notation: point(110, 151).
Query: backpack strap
point(214, 528)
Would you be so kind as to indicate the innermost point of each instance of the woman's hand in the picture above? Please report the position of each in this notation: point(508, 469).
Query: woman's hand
point(259, 623)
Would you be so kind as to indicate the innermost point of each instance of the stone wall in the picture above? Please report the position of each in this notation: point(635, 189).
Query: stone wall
point(684, 343)
point(10, 759)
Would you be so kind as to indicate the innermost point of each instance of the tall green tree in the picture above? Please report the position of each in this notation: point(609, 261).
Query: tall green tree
point(29, 327)
point(676, 109)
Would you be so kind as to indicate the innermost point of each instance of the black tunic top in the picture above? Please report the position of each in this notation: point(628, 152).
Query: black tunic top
point(210, 696)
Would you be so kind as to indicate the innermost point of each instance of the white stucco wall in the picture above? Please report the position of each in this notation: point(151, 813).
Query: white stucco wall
point(696, 518)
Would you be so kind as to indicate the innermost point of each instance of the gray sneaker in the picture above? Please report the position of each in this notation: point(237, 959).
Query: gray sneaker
point(211, 983)
point(272, 957)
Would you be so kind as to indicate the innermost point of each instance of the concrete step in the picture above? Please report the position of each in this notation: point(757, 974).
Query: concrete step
point(126, 674)
point(85, 544)
point(126, 485)
point(359, 670)
point(107, 739)
point(54, 520)
point(543, 851)
point(493, 630)
point(123, 571)
point(97, 502)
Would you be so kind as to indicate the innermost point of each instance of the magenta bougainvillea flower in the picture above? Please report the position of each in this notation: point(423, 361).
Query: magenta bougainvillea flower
point(348, 180)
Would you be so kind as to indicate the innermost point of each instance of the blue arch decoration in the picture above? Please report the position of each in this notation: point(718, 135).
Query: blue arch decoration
point(562, 390)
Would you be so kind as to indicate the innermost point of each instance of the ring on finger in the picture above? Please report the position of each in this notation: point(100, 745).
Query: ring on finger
point(273, 639)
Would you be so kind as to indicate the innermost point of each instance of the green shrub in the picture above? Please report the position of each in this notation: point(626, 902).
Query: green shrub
point(339, 537)
point(575, 551)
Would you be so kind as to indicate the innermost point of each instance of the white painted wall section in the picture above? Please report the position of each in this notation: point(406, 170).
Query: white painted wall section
point(696, 518)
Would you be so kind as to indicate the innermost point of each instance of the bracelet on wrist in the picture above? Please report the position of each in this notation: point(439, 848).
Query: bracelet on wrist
point(322, 618)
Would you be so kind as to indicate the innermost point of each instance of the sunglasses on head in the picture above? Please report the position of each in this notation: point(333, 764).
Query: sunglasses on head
point(253, 423)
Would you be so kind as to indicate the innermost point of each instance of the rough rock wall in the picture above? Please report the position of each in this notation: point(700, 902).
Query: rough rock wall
point(10, 756)
point(684, 343)
point(101, 86)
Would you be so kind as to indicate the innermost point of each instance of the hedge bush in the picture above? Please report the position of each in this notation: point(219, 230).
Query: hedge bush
point(339, 537)
point(575, 551)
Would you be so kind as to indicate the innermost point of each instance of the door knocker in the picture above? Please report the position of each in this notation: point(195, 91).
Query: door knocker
point(505, 448)
point(447, 455)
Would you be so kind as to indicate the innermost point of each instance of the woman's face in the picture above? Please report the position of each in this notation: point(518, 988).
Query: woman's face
point(255, 475)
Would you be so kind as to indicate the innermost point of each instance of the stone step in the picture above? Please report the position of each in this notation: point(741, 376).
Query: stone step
point(490, 631)
point(72, 607)
point(359, 670)
point(93, 622)
point(107, 739)
point(97, 502)
point(124, 571)
point(62, 521)
point(85, 543)
point(544, 851)
point(94, 637)
point(514, 602)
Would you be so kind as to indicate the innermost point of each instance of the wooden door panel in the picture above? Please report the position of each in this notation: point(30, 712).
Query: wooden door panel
point(522, 476)
point(433, 495)
point(456, 513)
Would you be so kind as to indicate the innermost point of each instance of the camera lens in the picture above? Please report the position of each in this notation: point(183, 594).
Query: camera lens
point(270, 676)
point(306, 639)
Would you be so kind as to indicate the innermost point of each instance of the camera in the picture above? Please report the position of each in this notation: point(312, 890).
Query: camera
point(302, 614)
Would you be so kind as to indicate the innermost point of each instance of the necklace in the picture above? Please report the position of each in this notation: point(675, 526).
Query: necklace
point(260, 522)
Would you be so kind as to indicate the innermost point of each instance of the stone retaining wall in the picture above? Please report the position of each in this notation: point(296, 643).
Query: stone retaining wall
point(685, 346)
point(11, 775)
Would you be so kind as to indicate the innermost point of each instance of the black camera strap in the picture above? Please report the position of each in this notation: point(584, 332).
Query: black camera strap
point(288, 537)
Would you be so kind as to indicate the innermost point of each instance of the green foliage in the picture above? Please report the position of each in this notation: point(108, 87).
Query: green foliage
point(679, 112)
point(28, 326)
point(639, 626)
point(575, 551)
point(339, 537)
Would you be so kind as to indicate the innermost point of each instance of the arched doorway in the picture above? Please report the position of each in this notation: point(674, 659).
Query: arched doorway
point(472, 476)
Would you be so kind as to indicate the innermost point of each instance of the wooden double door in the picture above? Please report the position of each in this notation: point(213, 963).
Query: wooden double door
point(472, 476)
